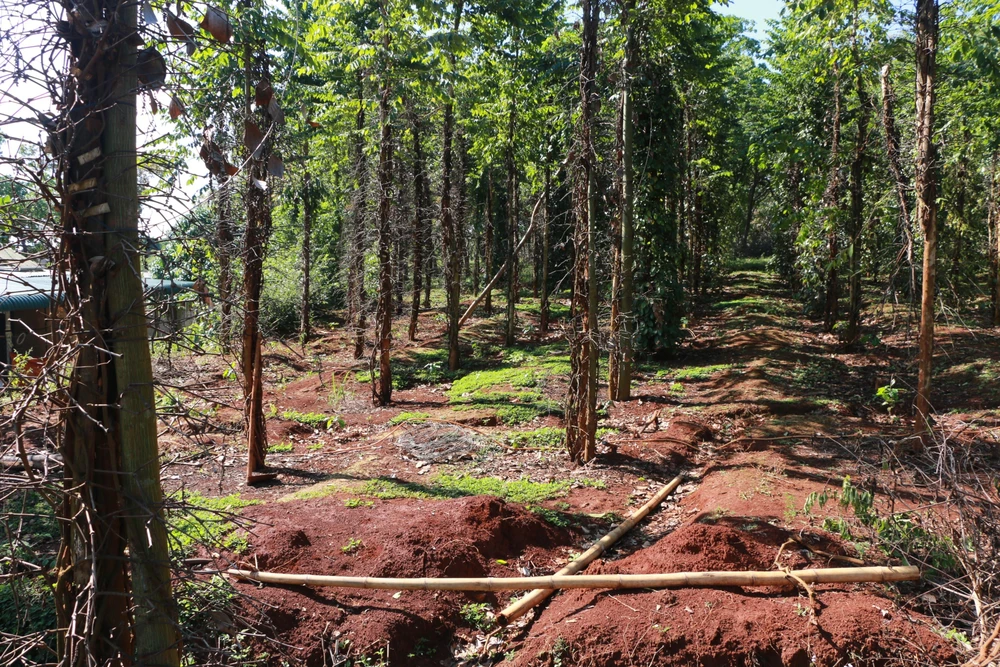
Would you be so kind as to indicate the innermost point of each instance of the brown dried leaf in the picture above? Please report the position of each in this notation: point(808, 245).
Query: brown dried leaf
point(232, 169)
point(275, 166)
point(176, 108)
point(275, 111)
point(181, 29)
point(263, 93)
point(217, 24)
point(252, 137)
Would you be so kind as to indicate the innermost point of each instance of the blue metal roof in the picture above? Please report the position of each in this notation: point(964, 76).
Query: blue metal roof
point(25, 291)
point(33, 291)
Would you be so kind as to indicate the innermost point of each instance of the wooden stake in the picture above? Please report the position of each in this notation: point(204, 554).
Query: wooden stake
point(520, 607)
point(833, 575)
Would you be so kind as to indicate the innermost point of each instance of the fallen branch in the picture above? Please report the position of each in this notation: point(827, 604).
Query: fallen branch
point(719, 579)
point(502, 269)
point(520, 607)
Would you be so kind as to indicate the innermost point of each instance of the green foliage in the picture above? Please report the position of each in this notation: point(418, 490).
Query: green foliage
point(409, 417)
point(357, 502)
point(693, 373)
point(453, 486)
point(477, 615)
point(890, 395)
point(195, 519)
point(352, 546)
point(316, 420)
point(897, 534)
point(280, 448)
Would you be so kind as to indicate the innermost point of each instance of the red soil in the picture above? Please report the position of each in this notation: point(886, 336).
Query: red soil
point(464, 537)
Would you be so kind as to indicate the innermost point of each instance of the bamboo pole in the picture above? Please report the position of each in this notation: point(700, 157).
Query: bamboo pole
point(833, 575)
point(520, 607)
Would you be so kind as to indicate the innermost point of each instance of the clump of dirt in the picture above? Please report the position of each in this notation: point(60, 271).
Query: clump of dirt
point(731, 626)
point(477, 536)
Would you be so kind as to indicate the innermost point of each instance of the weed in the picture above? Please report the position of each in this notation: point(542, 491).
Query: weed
point(357, 502)
point(692, 373)
point(315, 447)
point(676, 388)
point(237, 543)
point(897, 534)
point(800, 610)
point(890, 395)
point(352, 545)
point(409, 417)
point(424, 648)
point(313, 419)
point(557, 519)
point(547, 437)
point(477, 615)
point(280, 448)
point(201, 520)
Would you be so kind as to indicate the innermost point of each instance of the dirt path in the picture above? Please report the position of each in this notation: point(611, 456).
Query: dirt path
point(759, 409)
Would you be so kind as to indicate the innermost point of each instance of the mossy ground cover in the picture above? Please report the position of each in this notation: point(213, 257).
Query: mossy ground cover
point(514, 389)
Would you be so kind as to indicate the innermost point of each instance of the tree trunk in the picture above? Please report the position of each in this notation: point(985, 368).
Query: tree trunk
point(450, 245)
point(357, 298)
point(581, 407)
point(112, 607)
point(510, 337)
point(857, 201)
point(382, 381)
point(543, 307)
point(305, 324)
point(419, 211)
point(627, 317)
point(993, 225)
point(926, 189)
point(488, 240)
point(223, 251)
point(615, 202)
point(896, 169)
point(751, 205)
point(831, 199)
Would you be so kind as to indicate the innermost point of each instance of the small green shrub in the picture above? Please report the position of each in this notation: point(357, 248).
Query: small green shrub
point(477, 615)
point(353, 545)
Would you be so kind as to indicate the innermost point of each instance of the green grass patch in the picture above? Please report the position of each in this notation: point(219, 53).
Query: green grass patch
point(201, 520)
point(280, 448)
point(691, 373)
point(357, 502)
point(409, 417)
point(454, 486)
point(313, 419)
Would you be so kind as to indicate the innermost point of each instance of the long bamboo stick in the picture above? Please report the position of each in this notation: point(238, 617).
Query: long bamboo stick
point(718, 579)
point(520, 607)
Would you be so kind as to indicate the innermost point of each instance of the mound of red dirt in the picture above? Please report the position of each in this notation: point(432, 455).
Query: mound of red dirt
point(462, 537)
point(722, 626)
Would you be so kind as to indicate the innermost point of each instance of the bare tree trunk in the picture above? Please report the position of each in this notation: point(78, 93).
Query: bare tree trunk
point(223, 252)
point(926, 188)
point(993, 224)
point(258, 229)
point(488, 240)
point(512, 273)
point(452, 259)
point(543, 308)
point(751, 206)
point(857, 199)
point(305, 319)
point(627, 327)
point(356, 297)
point(581, 407)
point(419, 212)
point(896, 169)
point(831, 199)
point(382, 381)
point(112, 607)
point(615, 201)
